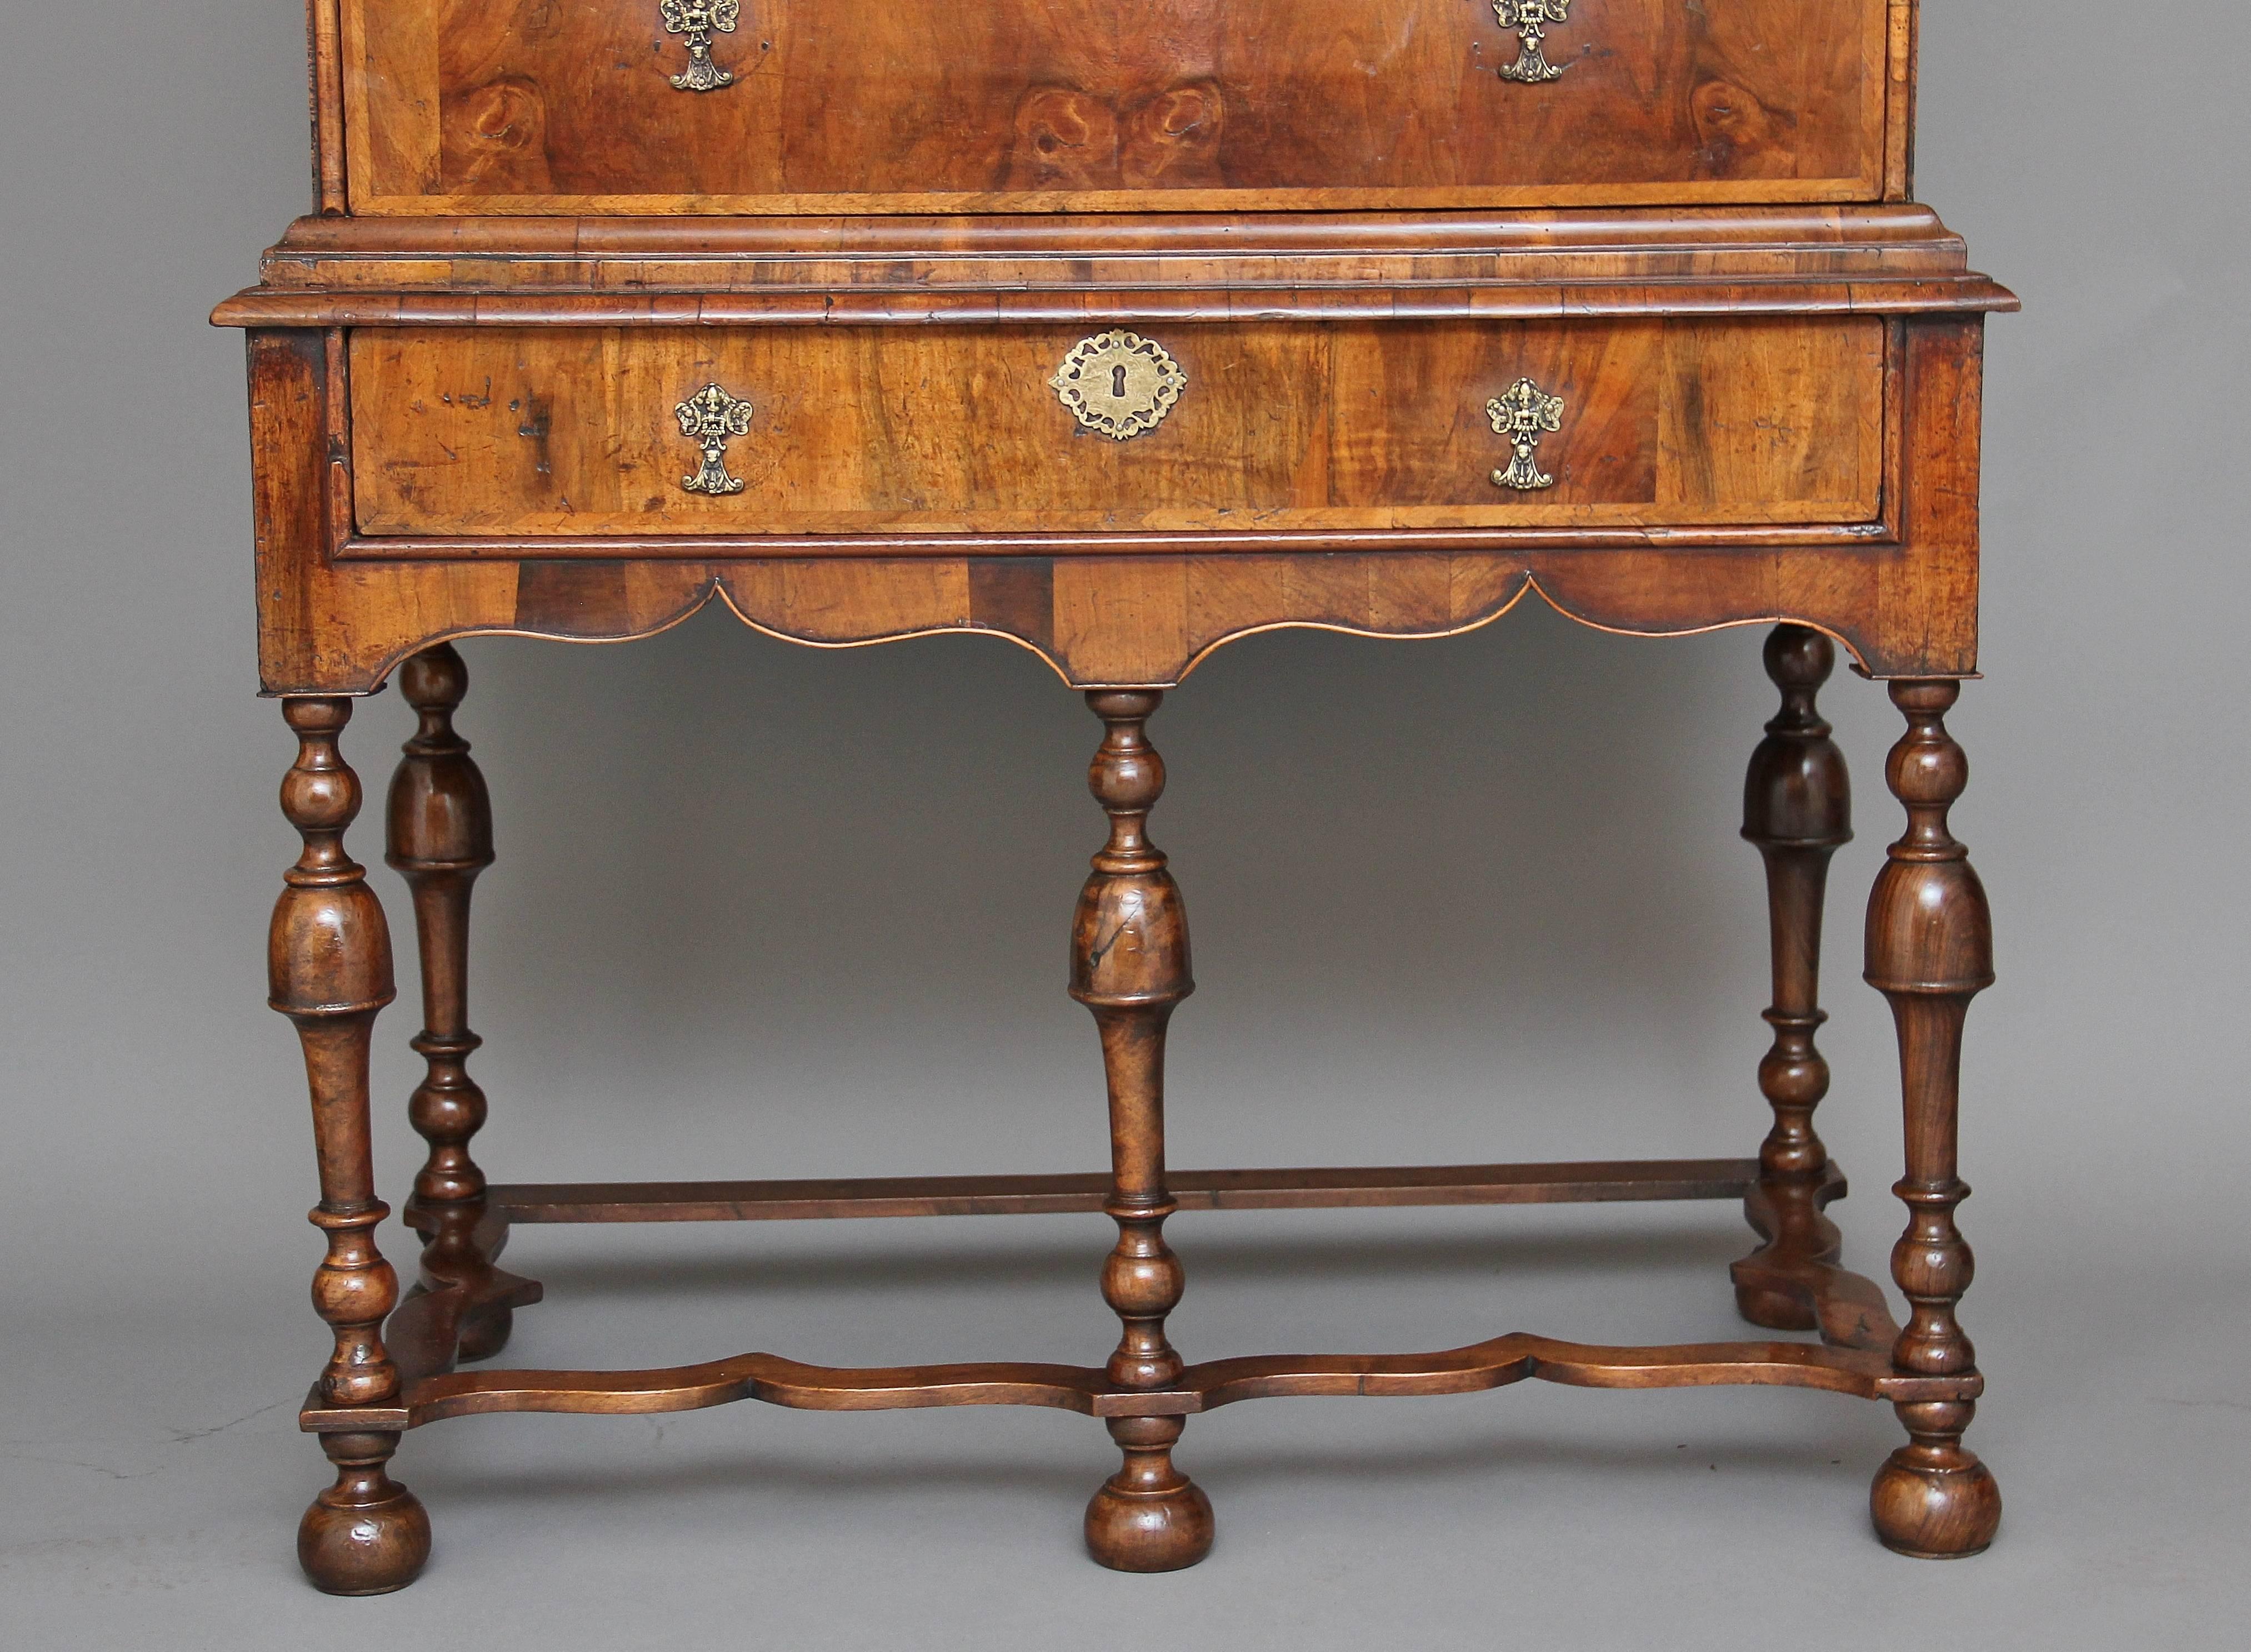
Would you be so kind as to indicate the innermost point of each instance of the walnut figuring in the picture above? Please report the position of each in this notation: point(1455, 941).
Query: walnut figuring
point(1120, 334)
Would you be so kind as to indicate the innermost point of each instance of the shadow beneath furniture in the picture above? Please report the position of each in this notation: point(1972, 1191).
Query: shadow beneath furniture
point(1844, 1452)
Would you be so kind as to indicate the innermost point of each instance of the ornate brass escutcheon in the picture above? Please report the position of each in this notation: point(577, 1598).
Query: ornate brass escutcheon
point(1521, 413)
point(1530, 19)
point(699, 20)
point(708, 418)
point(1119, 384)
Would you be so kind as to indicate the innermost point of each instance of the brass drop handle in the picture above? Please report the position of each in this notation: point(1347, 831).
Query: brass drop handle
point(708, 419)
point(1523, 413)
point(699, 20)
point(1530, 19)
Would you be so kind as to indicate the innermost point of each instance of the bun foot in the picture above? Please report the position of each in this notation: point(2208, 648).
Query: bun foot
point(1136, 1531)
point(1775, 1310)
point(1934, 1503)
point(1148, 1516)
point(366, 1534)
point(486, 1331)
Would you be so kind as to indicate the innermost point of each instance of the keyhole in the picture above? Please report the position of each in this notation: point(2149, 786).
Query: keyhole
point(1118, 383)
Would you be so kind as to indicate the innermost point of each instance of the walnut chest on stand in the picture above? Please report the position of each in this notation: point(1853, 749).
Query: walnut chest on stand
point(1117, 332)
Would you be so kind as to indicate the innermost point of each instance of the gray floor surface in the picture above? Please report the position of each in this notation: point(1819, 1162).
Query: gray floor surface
point(1684, 1520)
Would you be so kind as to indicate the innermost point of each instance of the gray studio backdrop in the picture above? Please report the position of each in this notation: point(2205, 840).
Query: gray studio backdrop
point(765, 910)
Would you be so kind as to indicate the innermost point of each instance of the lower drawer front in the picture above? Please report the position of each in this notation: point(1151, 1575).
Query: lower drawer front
point(593, 432)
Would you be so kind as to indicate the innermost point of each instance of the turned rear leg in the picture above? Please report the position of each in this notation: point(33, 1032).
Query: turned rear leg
point(1797, 810)
point(441, 838)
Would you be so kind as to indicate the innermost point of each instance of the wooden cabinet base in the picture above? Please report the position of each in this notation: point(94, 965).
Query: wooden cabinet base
point(397, 1370)
point(1116, 333)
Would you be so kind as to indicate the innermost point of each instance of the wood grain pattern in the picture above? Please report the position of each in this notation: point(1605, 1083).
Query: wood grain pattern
point(1894, 258)
point(1930, 952)
point(328, 970)
point(529, 246)
point(1326, 1188)
point(440, 838)
point(1198, 1389)
point(890, 105)
point(1129, 965)
point(1901, 596)
point(570, 432)
point(1899, 114)
point(1798, 812)
point(464, 1312)
point(324, 64)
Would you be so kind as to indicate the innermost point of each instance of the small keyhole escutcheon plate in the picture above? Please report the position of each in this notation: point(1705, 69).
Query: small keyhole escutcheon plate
point(1119, 384)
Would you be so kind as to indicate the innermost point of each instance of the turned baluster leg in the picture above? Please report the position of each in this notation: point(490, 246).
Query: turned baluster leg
point(1930, 951)
point(1797, 810)
point(1129, 965)
point(441, 838)
point(329, 965)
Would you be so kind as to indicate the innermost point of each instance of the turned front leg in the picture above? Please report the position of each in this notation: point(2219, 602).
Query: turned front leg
point(441, 838)
point(329, 966)
point(1930, 951)
point(1129, 965)
point(1798, 812)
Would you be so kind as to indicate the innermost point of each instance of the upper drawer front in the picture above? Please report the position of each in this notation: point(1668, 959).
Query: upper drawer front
point(941, 106)
point(1213, 428)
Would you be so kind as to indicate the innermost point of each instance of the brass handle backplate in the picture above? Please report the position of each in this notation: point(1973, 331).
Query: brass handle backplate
point(1119, 384)
point(699, 20)
point(707, 419)
point(1522, 413)
point(1530, 19)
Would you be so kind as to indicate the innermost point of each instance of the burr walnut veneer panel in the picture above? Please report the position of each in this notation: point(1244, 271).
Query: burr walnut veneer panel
point(541, 106)
point(571, 430)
